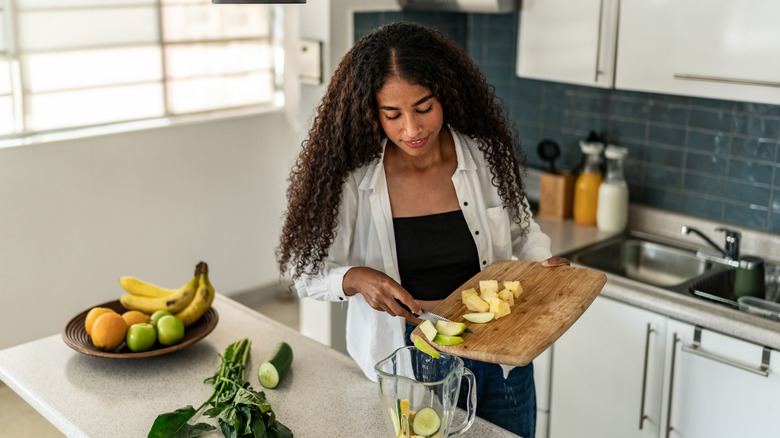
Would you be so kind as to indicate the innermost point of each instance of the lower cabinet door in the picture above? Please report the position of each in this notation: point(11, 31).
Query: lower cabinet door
point(719, 386)
point(607, 373)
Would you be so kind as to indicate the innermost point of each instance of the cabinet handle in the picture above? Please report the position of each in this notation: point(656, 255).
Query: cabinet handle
point(642, 415)
point(598, 42)
point(720, 79)
point(669, 427)
point(696, 349)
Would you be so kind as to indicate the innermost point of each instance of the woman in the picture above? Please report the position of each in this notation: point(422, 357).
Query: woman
point(406, 187)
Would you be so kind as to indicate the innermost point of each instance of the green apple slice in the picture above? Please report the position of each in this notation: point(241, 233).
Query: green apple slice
point(479, 318)
point(447, 339)
point(425, 347)
point(450, 328)
point(428, 330)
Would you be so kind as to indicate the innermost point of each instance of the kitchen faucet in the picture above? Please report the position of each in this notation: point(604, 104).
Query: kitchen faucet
point(731, 248)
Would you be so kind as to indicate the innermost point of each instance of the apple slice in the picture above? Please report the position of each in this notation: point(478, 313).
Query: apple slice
point(428, 330)
point(479, 318)
point(425, 347)
point(447, 340)
point(449, 328)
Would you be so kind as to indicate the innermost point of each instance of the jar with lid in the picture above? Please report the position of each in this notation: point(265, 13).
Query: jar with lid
point(613, 193)
point(586, 186)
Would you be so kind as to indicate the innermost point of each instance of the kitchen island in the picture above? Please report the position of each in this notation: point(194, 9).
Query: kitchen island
point(324, 395)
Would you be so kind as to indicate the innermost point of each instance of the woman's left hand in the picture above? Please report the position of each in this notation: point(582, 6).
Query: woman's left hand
point(556, 261)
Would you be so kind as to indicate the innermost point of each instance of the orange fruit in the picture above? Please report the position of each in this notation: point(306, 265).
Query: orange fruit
point(134, 317)
point(92, 315)
point(109, 331)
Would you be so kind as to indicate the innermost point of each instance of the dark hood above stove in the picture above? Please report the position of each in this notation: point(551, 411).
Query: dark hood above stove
point(478, 6)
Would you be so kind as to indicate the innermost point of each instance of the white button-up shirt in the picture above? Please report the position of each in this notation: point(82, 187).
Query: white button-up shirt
point(365, 237)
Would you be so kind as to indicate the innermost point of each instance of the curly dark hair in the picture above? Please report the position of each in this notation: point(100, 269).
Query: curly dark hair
point(346, 133)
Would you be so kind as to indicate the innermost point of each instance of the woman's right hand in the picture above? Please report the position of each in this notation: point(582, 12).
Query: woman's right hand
point(380, 291)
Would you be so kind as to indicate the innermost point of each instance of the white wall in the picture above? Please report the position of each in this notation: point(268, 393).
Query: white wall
point(78, 214)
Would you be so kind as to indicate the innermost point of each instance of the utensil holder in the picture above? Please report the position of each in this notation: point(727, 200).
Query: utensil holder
point(556, 194)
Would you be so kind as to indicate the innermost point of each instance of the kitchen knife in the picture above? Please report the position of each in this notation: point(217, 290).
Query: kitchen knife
point(432, 317)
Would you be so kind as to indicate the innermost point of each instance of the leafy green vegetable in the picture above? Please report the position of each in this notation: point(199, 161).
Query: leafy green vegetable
point(174, 425)
point(240, 411)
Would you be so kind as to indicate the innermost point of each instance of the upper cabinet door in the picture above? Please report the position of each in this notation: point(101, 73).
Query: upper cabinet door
point(569, 41)
point(723, 49)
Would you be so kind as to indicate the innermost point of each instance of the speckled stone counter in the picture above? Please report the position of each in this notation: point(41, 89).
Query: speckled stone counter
point(325, 394)
point(567, 236)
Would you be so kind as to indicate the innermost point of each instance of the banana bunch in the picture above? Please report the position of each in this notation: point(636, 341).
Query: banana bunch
point(188, 303)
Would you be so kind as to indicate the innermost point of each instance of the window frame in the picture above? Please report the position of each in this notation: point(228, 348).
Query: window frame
point(18, 95)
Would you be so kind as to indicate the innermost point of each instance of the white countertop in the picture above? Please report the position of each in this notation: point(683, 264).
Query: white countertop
point(325, 394)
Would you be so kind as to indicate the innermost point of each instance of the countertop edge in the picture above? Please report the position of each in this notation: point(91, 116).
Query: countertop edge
point(566, 236)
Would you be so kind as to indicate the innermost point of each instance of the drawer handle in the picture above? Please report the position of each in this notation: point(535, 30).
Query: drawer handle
point(696, 349)
point(598, 41)
point(669, 428)
point(642, 415)
point(726, 80)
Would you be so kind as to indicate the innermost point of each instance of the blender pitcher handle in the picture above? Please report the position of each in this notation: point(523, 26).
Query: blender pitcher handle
point(471, 405)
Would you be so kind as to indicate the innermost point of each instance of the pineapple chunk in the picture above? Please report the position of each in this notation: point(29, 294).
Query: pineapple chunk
point(475, 303)
point(488, 285)
point(471, 291)
point(507, 296)
point(499, 307)
point(515, 287)
point(488, 295)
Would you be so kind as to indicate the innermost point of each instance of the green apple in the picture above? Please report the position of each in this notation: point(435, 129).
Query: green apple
point(170, 330)
point(428, 330)
point(450, 328)
point(447, 340)
point(141, 337)
point(479, 318)
point(425, 347)
point(157, 315)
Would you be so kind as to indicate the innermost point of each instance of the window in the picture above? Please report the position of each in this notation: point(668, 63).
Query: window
point(77, 63)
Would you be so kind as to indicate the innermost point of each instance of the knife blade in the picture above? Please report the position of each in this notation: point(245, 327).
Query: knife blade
point(432, 317)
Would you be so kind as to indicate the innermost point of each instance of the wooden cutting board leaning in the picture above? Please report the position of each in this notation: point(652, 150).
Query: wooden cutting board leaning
point(553, 299)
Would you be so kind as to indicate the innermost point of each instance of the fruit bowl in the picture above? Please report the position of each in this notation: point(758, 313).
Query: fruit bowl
point(76, 337)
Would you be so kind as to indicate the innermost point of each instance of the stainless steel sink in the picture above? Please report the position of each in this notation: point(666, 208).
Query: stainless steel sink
point(644, 260)
point(662, 263)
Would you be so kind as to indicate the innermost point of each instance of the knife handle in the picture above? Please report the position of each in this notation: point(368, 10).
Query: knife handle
point(406, 307)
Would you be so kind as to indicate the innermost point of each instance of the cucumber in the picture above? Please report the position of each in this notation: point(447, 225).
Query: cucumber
point(426, 422)
point(272, 371)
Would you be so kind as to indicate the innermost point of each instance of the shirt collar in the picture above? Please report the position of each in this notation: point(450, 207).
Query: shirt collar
point(462, 151)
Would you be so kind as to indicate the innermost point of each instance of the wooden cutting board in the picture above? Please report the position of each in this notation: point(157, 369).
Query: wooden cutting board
point(553, 299)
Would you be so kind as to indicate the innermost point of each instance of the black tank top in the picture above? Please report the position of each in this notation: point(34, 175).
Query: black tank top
point(436, 254)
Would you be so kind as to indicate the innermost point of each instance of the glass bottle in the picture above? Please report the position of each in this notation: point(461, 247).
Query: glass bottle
point(586, 186)
point(613, 193)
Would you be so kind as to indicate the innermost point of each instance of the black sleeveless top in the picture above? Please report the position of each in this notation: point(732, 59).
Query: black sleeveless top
point(436, 254)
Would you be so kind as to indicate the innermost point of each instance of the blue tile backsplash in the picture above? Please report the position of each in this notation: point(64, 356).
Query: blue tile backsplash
point(709, 158)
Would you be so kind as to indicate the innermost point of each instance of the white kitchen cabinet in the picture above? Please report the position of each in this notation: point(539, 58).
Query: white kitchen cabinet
point(569, 41)
point(621, 371)
point(608, 372)
point(721, 49)
point(717, 386)
point(542, 368)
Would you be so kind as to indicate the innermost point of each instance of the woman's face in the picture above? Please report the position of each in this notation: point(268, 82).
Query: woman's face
point(410, 115)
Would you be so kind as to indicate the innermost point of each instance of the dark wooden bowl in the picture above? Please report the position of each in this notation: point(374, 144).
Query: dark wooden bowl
point(76, 337)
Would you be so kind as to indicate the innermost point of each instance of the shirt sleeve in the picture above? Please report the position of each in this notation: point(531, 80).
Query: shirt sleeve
point(327, 284)
point(534, 245)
